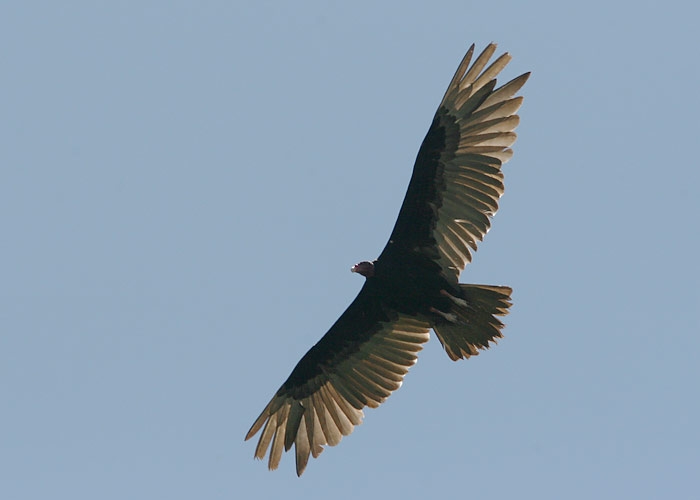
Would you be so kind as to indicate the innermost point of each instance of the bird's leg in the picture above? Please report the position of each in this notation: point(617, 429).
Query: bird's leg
point(456, 300)
point(452, 318)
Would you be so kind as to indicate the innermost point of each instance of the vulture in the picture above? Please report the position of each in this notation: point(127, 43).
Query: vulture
point(413, 286)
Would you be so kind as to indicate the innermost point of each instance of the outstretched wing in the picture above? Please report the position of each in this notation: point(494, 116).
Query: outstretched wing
point(358, 363)
point(457, 178)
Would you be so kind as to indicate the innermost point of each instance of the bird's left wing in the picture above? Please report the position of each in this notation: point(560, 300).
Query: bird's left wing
point(359, 362)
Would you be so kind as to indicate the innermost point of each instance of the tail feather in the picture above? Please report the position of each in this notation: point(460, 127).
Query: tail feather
point(476, 323)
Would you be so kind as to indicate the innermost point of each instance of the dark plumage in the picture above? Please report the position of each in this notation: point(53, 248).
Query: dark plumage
point(413, 285)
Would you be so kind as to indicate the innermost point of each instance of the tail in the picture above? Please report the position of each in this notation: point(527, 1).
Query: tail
point(475, 324)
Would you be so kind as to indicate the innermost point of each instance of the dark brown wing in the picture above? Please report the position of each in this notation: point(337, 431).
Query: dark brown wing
point(358, 363)
point(457, 178)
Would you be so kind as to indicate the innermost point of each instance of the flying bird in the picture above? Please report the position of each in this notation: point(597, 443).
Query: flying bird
point(413, 286)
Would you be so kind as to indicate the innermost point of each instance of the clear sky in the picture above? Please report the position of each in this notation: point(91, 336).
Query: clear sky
point(185, 185)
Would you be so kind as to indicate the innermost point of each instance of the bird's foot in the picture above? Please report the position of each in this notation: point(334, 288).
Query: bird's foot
point(451, 317)
point(456, 300)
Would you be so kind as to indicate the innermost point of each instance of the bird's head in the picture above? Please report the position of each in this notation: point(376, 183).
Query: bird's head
point(364, 268)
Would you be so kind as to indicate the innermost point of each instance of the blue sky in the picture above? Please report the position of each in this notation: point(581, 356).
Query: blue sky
point(184, 187)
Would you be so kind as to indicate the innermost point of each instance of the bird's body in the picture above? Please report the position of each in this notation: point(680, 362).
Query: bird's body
point(413, 285)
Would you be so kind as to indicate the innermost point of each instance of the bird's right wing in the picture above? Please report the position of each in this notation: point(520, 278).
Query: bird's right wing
point(457, 178)
point(359, 362)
